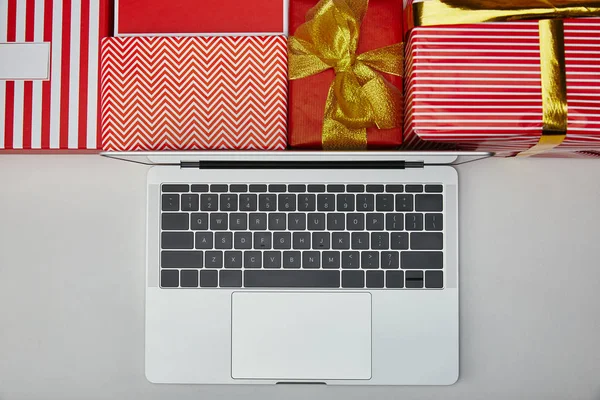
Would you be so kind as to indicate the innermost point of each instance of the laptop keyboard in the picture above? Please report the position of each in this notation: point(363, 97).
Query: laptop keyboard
point(302, 236)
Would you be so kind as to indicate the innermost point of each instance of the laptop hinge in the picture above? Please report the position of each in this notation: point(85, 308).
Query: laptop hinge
point(302, 164)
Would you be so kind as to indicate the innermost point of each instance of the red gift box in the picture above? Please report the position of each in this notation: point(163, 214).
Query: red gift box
point(382, 26)
point(49, 74)
point(187, 93)
point(478, 87)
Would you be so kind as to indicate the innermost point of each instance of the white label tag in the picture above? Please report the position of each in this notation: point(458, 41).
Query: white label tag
point(24, 61)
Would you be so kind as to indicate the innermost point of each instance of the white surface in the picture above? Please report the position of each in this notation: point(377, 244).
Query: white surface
point(29, 61)
point(301, 336)
point(72, 285)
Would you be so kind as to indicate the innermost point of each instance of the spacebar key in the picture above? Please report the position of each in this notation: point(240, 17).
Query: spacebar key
point(291, 279)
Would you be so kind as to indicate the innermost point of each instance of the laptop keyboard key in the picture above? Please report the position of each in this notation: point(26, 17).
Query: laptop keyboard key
point(258, 188)
point(252, 259)
point(326, 202)
point(394, 222)
point(307, 202)
point(277, 188)
point(301, 240)
point(218, 188)
point(375, 188)
point(390, 260)
point(355, 188)
point(258, 222)
point(394, 279)
point(272, 259)
point(177, 240)
point(233, 259)
point(340, 240)
point(170, 202)
point(350, 259)
point(218, 222)
point(297, 188)
point(200, 188)
point(169, 278)
point(262, 240)
point(296, 222)
point(355, 222)
point(209, 202)
point(229, 202)
point(414, 222)
point(213, 259)
point(316, 188)
point(175, 222)
point(421, 260)
point(181, 259)
point(223, 240)
point(345, 202)
point(321, 240)
point(404, 202)
point(429, 202)
point(209, 278)
point(360, 240)
point(311, 259)
point(384, 202)
point(434, 188)
point(282, 240)
point(336, 221)
point(426, 241)
point(399, 241)
point(242, 240)
point(199, 221)
point(248, 202)
point(291, 279)
point(394, 188)
point(230, 278)
point(375, 222)
point(189, 278)
point(238, 188)
point(170, 188)
point(414, 279)
point(267, 202)
point(238, 221)
point(434, 222)
point(287, 202)
point(369, 260)
point(365, 202)
point(190, 202)
point(375, 279)
point(336, 188)
point(380, 240)
point(292, 259)
point(204, 240)
point(414, 188)
point(277, 221)
point(331, 260)
point(353, 279)
point(434, 279)
point(316, 222)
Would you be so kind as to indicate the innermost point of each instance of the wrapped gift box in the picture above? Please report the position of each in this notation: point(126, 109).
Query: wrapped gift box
point(479, 87)
point(205, 17)
point(187, 93)
point(49, 74)
point(382, 26)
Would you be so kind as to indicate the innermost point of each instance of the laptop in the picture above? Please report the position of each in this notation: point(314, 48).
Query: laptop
point(302, 267)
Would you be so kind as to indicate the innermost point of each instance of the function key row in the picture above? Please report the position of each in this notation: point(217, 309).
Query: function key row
point(302, 279)
point(302, 202)
point(301, 188)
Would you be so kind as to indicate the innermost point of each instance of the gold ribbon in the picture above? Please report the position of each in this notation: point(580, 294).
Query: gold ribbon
point(552, 46)
point(359, 97)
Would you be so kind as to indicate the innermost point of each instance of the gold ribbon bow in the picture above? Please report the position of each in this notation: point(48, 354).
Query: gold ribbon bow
point(552, 45)
point(359, 97)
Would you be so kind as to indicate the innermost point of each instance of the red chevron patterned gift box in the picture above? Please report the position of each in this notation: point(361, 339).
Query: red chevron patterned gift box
point(49, 74)
point(188, 93)
point(485, 87)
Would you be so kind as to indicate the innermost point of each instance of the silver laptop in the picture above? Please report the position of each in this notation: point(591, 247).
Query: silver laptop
point(302, 267)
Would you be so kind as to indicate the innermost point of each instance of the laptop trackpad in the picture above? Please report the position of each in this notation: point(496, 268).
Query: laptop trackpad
point(294, 336)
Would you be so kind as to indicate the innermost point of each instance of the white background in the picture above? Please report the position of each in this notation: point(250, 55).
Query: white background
point(72, 285)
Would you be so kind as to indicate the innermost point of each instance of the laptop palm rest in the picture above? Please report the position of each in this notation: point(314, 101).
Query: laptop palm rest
point(301, 336)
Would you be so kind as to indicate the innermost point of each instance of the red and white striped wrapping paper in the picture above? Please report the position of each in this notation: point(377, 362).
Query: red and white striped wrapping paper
point(188, 93)
point(59, 113)
point(478, 87)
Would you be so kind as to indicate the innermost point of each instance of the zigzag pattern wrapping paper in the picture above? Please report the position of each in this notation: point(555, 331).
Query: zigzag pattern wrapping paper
point(190, 93)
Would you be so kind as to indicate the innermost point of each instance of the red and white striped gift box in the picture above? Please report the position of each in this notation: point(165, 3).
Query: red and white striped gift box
point(478, 87)
point(51, 103)
point(188, 93)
